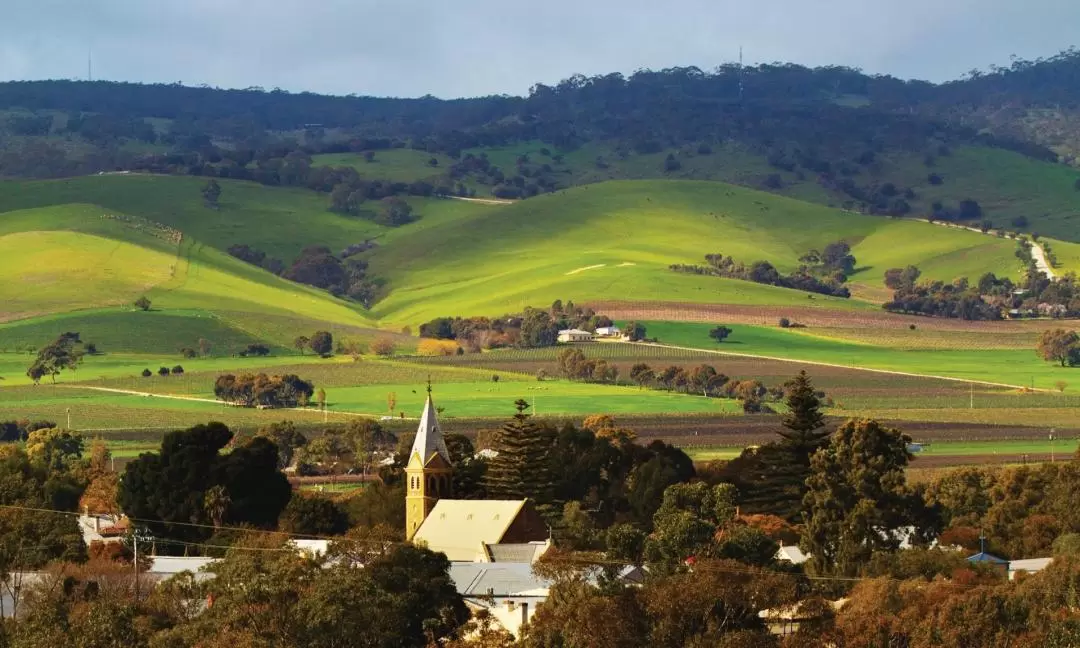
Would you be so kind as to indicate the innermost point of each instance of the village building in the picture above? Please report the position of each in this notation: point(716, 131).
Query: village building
point(608, 332)
point(574, 335)
point(491, 544)
point(470, 530)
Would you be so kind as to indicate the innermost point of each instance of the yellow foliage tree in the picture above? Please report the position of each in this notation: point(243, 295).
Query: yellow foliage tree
point(428, 347)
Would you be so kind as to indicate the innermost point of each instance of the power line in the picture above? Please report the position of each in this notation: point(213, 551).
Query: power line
point(579, 561)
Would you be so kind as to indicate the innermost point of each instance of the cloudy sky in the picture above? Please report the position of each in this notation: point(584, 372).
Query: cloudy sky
point(453, 48)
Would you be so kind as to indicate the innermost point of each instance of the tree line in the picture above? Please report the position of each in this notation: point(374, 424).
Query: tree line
point(533, 328)
point(820, 272)
point(342, 276)
point(990, 298)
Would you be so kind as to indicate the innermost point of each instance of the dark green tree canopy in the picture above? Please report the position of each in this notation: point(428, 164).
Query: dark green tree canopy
point(168, 490)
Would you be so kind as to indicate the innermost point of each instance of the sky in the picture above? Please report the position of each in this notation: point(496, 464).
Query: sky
point(461, 48)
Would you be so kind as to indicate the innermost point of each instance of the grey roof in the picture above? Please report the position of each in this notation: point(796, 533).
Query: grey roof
point(507, 552)
point(502, 579)
point(429, 438)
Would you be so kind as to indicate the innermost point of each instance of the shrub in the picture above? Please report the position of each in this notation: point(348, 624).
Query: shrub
point(146, 373)
point(495, 378)
point(188, 352)
point(163, 371)
point(383, 346)
point(911, 327)
point(428, 347)
point(785, 322)
point(935, 179)
point(142, 303)
point(177, 370)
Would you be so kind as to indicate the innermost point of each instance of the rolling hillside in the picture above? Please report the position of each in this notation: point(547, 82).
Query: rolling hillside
point(79, 267)
point(89, 246)
point(616, 240)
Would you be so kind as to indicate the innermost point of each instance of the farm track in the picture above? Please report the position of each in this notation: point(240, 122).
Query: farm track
point(196, 399)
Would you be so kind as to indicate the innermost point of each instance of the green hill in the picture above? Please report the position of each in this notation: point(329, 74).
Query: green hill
point(91, 245)
point(615, 240)
point(79, 267)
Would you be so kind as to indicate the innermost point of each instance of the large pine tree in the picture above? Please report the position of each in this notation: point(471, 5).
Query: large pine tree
point(805, 429)
point(522, 467)
point(772, 478)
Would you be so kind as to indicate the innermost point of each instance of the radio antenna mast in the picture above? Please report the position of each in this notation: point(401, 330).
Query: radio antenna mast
point(740, 74)
point(89, 66)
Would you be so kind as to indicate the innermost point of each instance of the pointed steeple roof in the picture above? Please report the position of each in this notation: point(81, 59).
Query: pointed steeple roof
point(429, 438)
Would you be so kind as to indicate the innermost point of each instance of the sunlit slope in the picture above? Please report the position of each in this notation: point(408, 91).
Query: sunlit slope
point(80, 260)
point(615, 240)
point(281, 221)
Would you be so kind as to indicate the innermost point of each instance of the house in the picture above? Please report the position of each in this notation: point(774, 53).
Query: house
point(1028, 565)
point(510, 593)
point(791, 554)
point(608, 332)
point(574, 335)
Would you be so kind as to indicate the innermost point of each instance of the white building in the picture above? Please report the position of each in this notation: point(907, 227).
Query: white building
point(574, 335)
point(1028, 565)
point(608, 331)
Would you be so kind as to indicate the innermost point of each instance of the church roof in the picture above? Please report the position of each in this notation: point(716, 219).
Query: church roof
point(429, 438)
point(461, 528)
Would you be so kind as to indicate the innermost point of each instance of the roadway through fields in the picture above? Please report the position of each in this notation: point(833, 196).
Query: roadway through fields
point(197, 399)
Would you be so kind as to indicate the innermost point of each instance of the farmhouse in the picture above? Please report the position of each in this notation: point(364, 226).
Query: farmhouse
point(575, 335)
point(608, 332)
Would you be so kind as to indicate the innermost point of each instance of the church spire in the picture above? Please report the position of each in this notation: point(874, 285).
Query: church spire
point(429, 438)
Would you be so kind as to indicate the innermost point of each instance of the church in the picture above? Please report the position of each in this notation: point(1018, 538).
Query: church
point(485, 531)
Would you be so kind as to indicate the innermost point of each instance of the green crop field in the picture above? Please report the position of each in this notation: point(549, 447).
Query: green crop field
point(1016, 367)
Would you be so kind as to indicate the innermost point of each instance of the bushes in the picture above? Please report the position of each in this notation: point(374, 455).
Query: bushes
point(428, 347)
point(251, 390)
point(383, 346)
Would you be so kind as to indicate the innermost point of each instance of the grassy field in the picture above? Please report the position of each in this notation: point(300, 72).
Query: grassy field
point(401, 165)
point(1061, 448)
point(1017, 367)
point(1006, 184)
point(616, 240)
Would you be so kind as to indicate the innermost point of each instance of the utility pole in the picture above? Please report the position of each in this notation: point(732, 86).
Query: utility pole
point(135, 541)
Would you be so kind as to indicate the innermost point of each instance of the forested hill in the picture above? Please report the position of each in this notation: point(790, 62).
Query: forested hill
point(832, 134)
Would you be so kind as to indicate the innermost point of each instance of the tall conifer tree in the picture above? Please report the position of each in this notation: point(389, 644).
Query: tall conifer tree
point(772, 478)
point(805, 424)
point(522, 467)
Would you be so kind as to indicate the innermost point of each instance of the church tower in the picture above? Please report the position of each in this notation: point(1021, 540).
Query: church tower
point(429, 473)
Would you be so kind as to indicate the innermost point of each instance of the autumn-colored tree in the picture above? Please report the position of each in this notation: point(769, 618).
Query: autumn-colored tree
point(429, 347)
point(1057, 345)
point(383, 346)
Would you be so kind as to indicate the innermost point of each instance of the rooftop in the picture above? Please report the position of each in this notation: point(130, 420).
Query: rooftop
point(461, 528)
